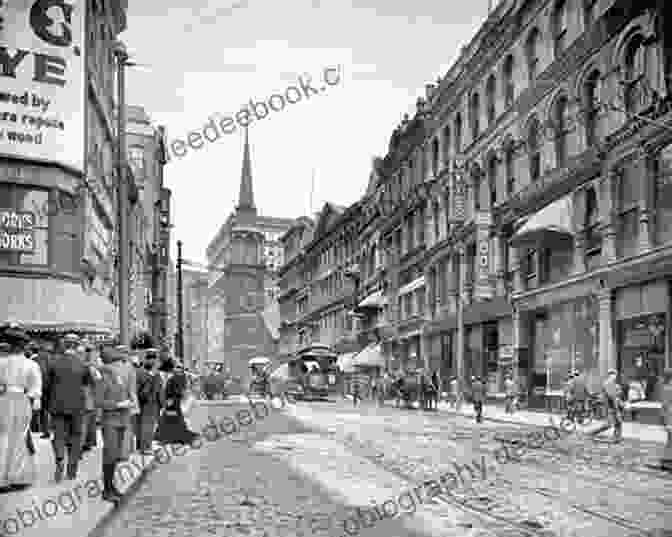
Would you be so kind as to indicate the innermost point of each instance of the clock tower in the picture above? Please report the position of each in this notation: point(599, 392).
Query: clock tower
point(245, 331)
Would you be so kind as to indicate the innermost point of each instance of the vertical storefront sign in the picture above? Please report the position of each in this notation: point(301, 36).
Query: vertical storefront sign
point(42, 77)
point(16, 231)
point(484, 288)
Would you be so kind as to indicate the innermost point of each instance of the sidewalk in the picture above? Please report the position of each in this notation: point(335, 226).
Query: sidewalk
point(633, 431)
point(70, 508)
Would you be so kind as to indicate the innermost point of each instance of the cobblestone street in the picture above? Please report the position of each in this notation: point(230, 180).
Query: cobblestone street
point(305, 470)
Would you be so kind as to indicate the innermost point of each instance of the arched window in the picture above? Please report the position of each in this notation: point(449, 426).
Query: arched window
point(458, 133)
point(591, 105)
point(508, 84)
point(532, 53)
point(559, 23)
point(492, 180)
point(446, 144)
point(534, 149)
point(510, 171)
point(490, 88)
point(474, 114)
point(435, 157)
point(635, 68)
point(560, 127)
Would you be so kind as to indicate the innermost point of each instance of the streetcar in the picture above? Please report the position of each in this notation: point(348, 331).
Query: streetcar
point(313, 374)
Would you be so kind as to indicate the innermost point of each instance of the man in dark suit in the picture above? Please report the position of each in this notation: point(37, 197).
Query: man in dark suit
point(68, 376)
point(151, 399)
point(478, 396)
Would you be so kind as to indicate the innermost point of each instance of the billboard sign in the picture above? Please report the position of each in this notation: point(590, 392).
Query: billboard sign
point(16, 231)
point(42, 81)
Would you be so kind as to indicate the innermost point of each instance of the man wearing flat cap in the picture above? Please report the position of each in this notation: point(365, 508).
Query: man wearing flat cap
point(68, 376)
point(613, 397)
point(20, 395)
point(115, 401)
point(126, 372)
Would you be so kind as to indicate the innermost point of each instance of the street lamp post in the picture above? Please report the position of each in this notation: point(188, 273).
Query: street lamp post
point(122, 199)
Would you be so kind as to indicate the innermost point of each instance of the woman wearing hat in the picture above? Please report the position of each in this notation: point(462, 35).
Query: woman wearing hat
point(20, 395)
point(173, 427)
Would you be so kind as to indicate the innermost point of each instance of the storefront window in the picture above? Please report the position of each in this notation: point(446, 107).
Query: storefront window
point(35, 201)
point(567, 339)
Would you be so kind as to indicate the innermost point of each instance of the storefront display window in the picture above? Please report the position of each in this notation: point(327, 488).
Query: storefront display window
point(565, 339)
point(642, 352)
point(20, 199)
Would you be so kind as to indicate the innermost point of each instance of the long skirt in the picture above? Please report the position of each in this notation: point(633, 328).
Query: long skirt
point(17, 465)
point(173, 429)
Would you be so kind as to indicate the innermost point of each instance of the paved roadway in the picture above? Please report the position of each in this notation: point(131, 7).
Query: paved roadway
point(303, 471)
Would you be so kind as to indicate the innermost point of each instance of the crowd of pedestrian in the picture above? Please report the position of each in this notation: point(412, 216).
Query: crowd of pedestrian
point(72, 392)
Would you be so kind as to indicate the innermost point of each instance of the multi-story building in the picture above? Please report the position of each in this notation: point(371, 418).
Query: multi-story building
point(243, 259)
point(521, 219)
point(148, 218)
point(195, 312)
point(57, 178)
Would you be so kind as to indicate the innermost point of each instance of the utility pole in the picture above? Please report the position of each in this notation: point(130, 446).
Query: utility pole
point(180, 331)
point(122, 199)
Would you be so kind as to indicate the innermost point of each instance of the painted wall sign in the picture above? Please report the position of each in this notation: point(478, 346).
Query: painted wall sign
point(16, 231)
point(42, 76)
point(484, 288)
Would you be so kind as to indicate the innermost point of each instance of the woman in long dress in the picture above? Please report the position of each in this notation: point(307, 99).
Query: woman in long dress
point(20, 394)
point(172, 427)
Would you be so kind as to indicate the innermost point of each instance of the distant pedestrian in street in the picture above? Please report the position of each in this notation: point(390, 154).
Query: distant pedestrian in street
point(67, 405)
point(20, 395)
point(613, 397)
point(666, 410)
point(580, 392)
point(453, 392)
point(477, 396)
point(172, 427)
point(510, 393)
point(356, 389)
point(115, 402)
point(569, 396)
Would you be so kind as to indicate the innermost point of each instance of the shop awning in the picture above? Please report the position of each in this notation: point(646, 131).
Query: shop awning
point(374, 300)
point(345, 362)
point(370, 356)
point(553, 221)
point(412, 286)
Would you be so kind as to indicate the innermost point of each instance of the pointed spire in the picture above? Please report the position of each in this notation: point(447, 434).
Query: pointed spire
point(246, 196)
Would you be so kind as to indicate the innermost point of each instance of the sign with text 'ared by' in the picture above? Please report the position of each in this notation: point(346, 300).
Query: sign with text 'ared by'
point(42, 76)
point(16, 231)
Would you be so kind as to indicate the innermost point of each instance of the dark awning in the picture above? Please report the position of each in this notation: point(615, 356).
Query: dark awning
point(553, 221)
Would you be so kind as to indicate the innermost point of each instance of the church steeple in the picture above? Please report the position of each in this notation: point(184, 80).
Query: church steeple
point(246, 196)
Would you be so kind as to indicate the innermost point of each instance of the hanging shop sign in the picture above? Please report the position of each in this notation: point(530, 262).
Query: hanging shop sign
point(16, 231)
point(42, 97)
point(484, 287)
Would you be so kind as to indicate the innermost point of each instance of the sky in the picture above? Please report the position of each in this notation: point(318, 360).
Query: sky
point(203, 59)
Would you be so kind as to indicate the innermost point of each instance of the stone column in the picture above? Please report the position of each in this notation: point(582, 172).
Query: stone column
point(646, 203)
point(460, 319)
point(608, 217)
point(607, 356)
